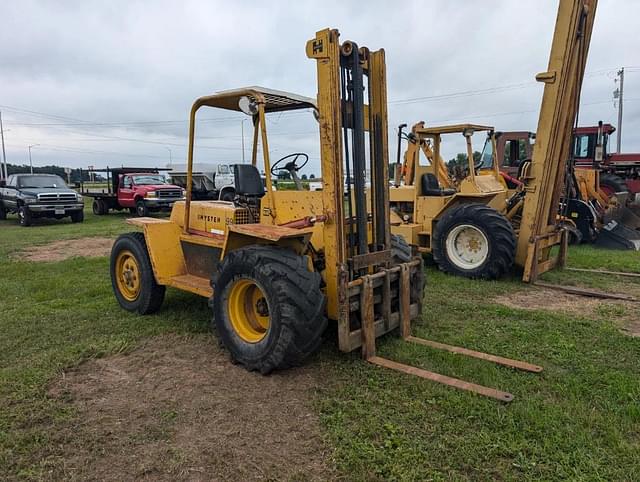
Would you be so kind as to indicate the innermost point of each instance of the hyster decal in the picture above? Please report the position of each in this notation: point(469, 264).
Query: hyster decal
point(213, 219)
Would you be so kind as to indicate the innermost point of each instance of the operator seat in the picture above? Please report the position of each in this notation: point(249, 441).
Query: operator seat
point(431, 187)
point(248, 181)
point(249, 189)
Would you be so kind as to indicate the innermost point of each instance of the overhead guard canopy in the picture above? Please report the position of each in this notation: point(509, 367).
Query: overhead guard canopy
point(451, 129)
point(273, 100)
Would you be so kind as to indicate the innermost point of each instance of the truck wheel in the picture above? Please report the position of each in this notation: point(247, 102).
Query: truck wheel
point(228, 196)
point(611, 184)
point(24, 216)
point(141, 209)
point(77, 216)
point(475, 241)
point(132, 277)
point(3, 212)
point(268, 308)
point(99, 207)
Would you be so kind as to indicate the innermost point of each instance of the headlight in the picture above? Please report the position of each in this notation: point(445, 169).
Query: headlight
point(184, 193)
point(80, 198)
point(151, 194)
point(29, 200)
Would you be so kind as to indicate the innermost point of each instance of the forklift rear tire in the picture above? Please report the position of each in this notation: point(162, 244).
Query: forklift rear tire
point(132, 279)
point(474, 241)
point(268, 308)
point(141, 209)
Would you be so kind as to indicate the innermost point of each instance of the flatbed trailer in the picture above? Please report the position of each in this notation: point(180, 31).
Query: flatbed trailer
point(120, 191)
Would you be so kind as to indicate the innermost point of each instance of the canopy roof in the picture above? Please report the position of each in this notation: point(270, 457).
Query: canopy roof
point(452, 129)
point(273, 100)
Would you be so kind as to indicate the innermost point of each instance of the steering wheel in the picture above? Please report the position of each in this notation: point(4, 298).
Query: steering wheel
point(290, 165)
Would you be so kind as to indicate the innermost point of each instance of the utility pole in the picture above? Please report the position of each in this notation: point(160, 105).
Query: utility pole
point(242, 133)
point(31, 163)
point(170, 157)
point(4, 172)
point(617, 94)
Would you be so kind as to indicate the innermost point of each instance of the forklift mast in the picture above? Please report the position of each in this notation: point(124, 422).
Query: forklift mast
point(347, 77)
point(545, 177)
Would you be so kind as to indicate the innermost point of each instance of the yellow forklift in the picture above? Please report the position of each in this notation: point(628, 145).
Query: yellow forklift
point(469, 226)
point(276, 265)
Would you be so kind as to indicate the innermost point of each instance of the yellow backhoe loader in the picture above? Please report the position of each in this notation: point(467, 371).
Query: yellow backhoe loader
point(469, 227)
point(276, 265)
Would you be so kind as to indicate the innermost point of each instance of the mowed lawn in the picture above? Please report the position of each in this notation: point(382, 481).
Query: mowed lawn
point(579, 419)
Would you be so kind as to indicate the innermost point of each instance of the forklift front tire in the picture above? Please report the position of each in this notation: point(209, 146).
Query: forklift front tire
point(268, 308)
point(474, 241)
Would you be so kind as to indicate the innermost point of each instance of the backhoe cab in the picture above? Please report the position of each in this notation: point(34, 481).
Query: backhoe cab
point(457, 216)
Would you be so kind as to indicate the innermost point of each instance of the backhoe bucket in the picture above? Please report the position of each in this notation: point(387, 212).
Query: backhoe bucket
point(621, 228)
point(615, 235)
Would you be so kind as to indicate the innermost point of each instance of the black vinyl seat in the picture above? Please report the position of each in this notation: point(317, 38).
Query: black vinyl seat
point(248, 181)
point(431, 187)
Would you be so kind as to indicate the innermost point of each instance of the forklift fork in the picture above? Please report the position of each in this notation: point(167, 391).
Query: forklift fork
point(369, 339)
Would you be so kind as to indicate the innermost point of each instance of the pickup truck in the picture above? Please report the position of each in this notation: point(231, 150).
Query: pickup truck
point(32, 196)
point(140, 190)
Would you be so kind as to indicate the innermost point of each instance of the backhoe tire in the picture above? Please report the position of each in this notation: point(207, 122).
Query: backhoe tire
point(611, 184)
point(474, 241)
point(268, 308)
point(400, 250)
point(132, 278)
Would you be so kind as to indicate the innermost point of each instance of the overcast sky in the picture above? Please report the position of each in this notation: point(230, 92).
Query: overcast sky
point(111, 83)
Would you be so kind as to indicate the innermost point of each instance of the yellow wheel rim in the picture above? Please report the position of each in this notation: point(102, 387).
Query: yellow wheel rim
point(248, 310)
point(128, 275)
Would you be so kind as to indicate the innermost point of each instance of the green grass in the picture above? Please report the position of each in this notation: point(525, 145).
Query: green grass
point(579, 419)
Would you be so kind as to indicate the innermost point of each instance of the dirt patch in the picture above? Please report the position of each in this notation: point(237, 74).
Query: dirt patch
point(622, 313)
point(65, 249)
point(177, 408)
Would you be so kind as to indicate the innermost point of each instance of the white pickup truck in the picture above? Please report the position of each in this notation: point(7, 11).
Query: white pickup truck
point(209, 180)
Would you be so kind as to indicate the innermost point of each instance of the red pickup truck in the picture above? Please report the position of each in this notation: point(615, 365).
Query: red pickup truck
point(139, 190)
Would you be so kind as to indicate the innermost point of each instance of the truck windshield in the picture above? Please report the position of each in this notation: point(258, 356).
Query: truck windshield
point(148, 180)
point(41, 181)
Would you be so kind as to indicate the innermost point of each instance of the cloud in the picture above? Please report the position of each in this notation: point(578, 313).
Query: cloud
point(115, 80)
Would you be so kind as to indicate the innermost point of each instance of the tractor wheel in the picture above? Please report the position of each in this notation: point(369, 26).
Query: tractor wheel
point(400, 250)
point(475, 241)
point(77, 216)
point(611, 184)
point(268, 308)
point(141, 209)
point(99, 207)
point(24, 216)
point(132, 277)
